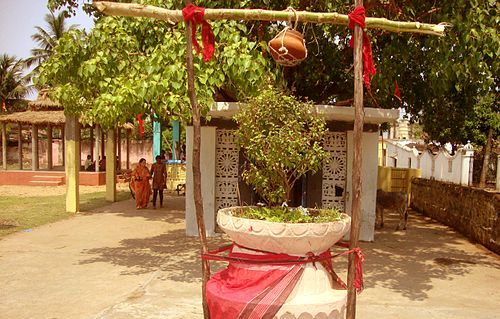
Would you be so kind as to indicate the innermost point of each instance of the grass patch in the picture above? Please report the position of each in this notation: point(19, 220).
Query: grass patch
point(289, 215)
point(20, 213)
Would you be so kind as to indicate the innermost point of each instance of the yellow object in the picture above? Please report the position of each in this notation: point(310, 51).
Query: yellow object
point(176, 174)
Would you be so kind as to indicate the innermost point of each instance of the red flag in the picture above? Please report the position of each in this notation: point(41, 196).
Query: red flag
point(397, 93)
point(141, 129)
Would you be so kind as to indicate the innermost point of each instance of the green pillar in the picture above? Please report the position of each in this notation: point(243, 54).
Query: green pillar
point(175, 138)
point(111, 166)
point(72, 163)
point(156, 137)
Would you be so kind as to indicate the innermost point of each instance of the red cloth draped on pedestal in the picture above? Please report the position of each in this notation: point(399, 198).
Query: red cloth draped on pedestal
point(256, 285)
point(357, 16)
point(244, 290)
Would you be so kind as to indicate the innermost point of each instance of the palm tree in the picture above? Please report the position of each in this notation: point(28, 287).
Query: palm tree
point(47, 39)
point(14, 85)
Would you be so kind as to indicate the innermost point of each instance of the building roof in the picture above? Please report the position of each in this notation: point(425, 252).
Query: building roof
point(35, 117)
point(227, 110)
point(43, 103)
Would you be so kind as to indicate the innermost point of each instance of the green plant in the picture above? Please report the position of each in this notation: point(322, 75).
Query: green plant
point(281, 138)
point(289, 215)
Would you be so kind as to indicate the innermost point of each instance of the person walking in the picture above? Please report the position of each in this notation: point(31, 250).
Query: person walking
point(159, 173)
point(142, 189)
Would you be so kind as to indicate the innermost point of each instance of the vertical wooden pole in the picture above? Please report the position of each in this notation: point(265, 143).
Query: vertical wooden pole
point(34, 147)
point(111, 166)
point(72, 163)
point(4, 145)
point(103, 143)
point(198, 200)
point(128, 149)
point(356, 170)
point(20, 145)
point(49, 147)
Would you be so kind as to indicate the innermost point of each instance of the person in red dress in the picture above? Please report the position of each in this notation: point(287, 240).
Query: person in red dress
point(142, 188)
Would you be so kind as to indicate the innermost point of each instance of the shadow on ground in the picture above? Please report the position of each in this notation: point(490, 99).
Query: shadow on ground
point(408, 261)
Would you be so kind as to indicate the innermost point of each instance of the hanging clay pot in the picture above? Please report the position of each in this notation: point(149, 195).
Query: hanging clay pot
point(288, 47)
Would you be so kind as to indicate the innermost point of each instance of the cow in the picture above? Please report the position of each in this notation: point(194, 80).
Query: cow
point(397, 201)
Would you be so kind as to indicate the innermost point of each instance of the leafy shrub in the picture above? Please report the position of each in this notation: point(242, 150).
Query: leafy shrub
point(281, 139)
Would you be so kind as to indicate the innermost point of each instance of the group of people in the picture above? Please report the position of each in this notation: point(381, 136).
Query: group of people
point(141, 186)
point(90, 165)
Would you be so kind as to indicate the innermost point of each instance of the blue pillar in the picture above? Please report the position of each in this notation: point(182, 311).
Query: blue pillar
point(156, 137)
point(175, 137)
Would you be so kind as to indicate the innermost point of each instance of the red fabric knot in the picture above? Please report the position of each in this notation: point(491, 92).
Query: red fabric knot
point(196, 16)
point(141, 124)
point(397, 92)
point(357, 16)
point(359, 259)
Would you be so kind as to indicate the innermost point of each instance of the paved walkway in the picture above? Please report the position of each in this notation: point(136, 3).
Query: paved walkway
point(117, 262)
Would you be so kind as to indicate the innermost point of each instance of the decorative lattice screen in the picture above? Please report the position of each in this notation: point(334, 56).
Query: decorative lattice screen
point(226, 170)
point(334, 171)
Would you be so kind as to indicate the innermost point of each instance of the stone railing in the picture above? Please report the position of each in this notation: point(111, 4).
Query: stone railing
point(472, 212)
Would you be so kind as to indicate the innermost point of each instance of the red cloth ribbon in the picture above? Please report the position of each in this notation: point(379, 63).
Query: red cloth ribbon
point(195, 15)
point(141, 124)
point(4, 107)
point(357, 16)
point(397, 93)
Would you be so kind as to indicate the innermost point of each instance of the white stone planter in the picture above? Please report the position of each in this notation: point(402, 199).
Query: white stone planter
point(313, 296)
point(292, 239)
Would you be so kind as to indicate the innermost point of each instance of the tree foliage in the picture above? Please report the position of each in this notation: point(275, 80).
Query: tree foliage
point(282, 139)
point(448, 84)
point(47, 38)
point(14, 85)
point(126, 66)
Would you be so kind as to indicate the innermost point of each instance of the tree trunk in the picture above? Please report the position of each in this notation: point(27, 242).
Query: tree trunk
point(486, 159)
point(198, 200)
point(175, 16)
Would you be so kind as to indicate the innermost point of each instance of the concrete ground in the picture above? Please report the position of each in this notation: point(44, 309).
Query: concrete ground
point(117, 262)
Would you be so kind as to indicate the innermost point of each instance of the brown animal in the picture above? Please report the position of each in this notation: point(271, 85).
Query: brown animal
point(397, 201)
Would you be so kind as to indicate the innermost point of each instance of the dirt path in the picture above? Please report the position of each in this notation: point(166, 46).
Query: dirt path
point(117, 263)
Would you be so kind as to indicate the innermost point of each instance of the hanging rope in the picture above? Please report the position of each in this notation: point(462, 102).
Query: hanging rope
point(357, 16)
point(196, 16)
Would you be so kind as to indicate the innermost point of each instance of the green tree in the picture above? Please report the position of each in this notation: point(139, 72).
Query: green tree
point(46, 39)
point(14, 85)
point(282, 140)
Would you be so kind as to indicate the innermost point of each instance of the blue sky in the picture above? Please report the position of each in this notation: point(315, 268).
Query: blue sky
point(18, 19)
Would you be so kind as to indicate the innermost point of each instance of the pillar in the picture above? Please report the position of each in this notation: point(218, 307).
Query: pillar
point(466, 165)
point(20, 145)
point(4, 145)
point(207, 162)
point(49, 147)
point(119, 148)
point(97, 151)
point(498, 174)
point(175, 138)
point(72, 163)
point(103, 142)
point(91, 142)
point(63, 141)
point(34, 147)
point(156, 137)
point(111, 166)
point(128, 149)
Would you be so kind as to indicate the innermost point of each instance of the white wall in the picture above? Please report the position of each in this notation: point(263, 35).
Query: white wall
point(207, 162)
point(369, 158)
point(442, 166)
